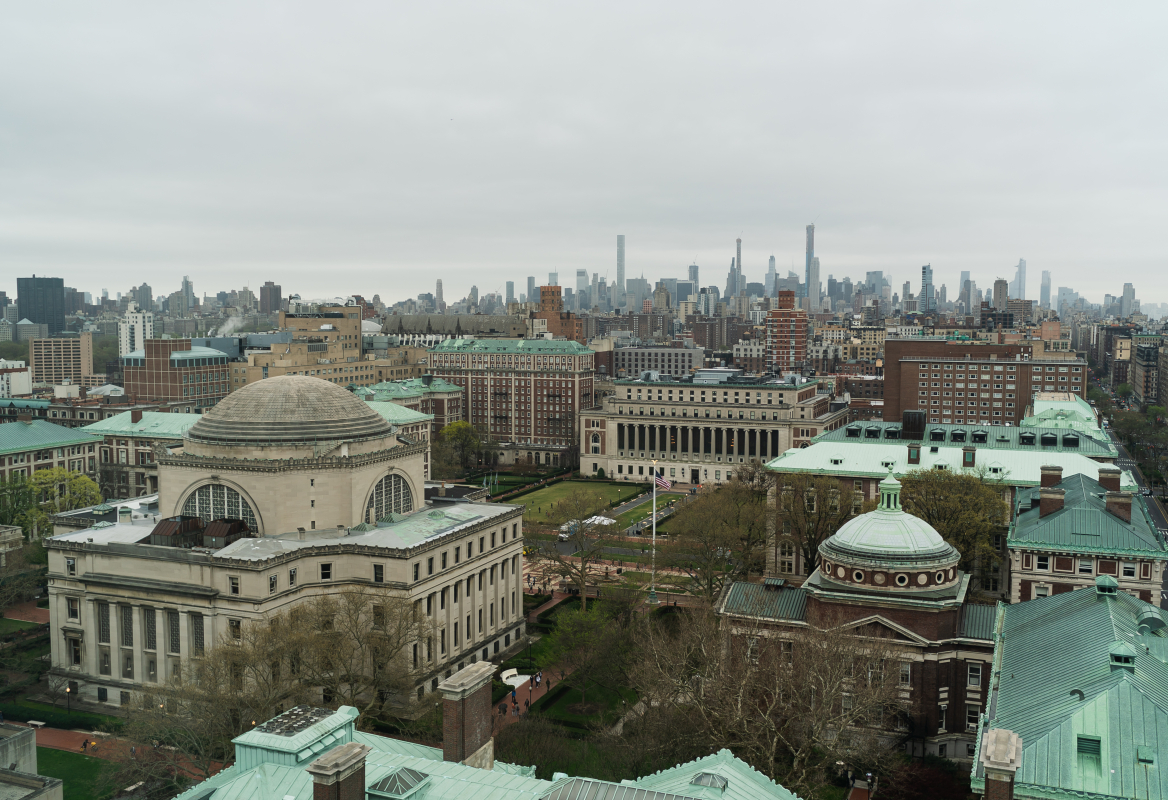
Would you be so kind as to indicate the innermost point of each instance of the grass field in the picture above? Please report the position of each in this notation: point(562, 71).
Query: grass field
point(13, 625)
point(642, 511)
point(541, 504)
point(77, 771)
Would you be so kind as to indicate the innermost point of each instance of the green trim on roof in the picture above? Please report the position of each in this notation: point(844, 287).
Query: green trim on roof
point(398, 415)
point(154, 424)
point(555, 347)
point(20, 437)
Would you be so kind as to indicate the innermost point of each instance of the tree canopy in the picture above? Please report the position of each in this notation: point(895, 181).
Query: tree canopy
point(966, 508)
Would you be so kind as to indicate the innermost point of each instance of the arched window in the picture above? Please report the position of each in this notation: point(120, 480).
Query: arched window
point(391, 495)
point(215, 501)
point(596, 443)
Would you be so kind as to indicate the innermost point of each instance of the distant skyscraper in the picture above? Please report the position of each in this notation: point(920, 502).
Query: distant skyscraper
point(1126, 303)
point(905, 292)
point(582, 289)
point(1001, 294)
point(188, 291)
point(474, 296)
point(813, 285)
point(532, 297)
point(1018, 285)
point(927, 301)
point(553, 279)
point(270, 300)
point(693, 273)
point(42, 300)
point(620, 263)
point(810, 254)
point(770, 279)
point(438, 291)
point(510, 291)
point(1044, 291)
point(738, 263)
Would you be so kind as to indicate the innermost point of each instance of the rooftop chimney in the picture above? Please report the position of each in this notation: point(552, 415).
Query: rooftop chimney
point(1050, 500)
point(25, 418)
point(1109, 477)
point(340, 773)
point(1051, 476)
point(1001, 755)
point(466, 716)
point(1119, 504)
point(135, 415)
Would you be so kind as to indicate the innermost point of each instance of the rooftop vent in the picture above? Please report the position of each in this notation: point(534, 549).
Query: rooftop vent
point(710, 779)
point(1122, 656)
point(401, 783)
point(1106, 585)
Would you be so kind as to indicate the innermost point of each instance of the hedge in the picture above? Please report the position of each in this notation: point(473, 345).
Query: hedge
point(23, 711)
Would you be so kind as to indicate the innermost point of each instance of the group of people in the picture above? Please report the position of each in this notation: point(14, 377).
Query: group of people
point(534, 682)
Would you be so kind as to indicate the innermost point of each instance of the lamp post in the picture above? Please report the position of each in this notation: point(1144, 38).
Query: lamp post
point(68, 699)
point(653, 515)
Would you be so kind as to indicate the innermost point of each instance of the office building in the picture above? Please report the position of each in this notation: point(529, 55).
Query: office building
point(1001, 294)
point(813, 298)
point(693, 274)
point(532, 295)
point(173, 369)
point(620, 264)
point(936, 375)
point(438, 292)
point(1127, 303)
point(553, 279)
point(678, 362)
point(786, 330)
point(1044, 290)
point(61, 361)
point(271, 300)
point(510, 291)
point(135, 327)
point(927, 300)
point(524, 391)
point(42, 301)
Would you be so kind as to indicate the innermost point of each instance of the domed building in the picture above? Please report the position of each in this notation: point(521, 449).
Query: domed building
point(289, 489)
point(889, 574)
point(293, 452)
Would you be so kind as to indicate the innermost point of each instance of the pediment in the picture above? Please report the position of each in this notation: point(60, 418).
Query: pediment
point(878, 627)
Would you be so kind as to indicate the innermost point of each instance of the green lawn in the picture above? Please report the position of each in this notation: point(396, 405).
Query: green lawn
point(609, 700)
point(541, 504)
point(642, 511)
point(12, 625)
point(77, 771)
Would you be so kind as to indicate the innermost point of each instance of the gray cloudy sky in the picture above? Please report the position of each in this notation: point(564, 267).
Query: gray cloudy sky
point(345, 147)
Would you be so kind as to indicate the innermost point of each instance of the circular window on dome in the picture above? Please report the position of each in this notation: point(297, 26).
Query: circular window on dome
point(839, 572)
point(922, 579)
point(902, 580)
point(879, 578)
point(827, 567)
point(858, 576)
point(940, 577)
point(950, 573)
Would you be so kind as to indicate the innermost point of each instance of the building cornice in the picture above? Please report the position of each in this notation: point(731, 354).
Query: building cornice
point(191, 461)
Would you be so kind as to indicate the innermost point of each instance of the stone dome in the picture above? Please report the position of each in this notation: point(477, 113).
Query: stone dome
point(890, 548)
point(289, 409)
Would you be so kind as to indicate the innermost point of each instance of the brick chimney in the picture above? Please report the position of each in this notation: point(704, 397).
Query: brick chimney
point(1119, 504)
point(135, 415)
point(25, 418)
point(340, 773)
point(1001, 755)
point(466, 716)
point(1050, 500)
point(1109, 477)
point(1051, 476)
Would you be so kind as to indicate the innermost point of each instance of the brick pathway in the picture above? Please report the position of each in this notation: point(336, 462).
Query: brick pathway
point(27, 612)
point(525, 692)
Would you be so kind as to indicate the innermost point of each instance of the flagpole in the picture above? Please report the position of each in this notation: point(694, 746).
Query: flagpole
point(653, 514)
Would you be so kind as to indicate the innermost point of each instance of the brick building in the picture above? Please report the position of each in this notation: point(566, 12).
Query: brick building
point(172, 369)
point(786, 330)
point(891, 575)
point(1145, 375)
point(63, 360)
point(126, 462)
point(521, 391)
point(936, 375)
point(442, 400)
point(630, 362)
point(31, 444)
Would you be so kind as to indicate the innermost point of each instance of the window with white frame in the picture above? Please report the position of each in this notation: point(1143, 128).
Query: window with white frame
point(973, 675)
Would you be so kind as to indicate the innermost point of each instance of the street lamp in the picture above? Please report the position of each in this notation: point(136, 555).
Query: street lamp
point(653, 515)
point(68, 699)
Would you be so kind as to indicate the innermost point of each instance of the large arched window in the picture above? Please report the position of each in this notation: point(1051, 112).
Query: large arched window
point(215, 501)
point(391, 495)
point(595, 443)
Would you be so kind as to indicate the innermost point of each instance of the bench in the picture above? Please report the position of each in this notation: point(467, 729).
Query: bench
point(508, 673)
point(35, 723)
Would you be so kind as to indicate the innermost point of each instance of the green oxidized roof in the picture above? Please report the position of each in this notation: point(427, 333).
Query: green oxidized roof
point(756, 600)
point(1095, 444)
point(888, 533)
point(413, 387)
point(398, 415)
point(743, 782)
point(1075, 414)
point(1053, 650)
point(1083, 523)
point(977, 621)
point(555, 347)
point(18, 437)
point(154, 424)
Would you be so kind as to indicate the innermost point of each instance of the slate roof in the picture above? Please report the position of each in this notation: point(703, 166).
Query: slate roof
point(757, 600)
point(153, 425)
point(1052, 651)
point(555, 347)
point(1083, 524)
point(20, 437)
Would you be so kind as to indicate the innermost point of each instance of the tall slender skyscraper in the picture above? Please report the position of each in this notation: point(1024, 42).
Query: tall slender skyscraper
point(553, 279)
point(738, 261)
point(1018, 285)
point(813, 298)
point(1044, 290)
point(1001, 294)
point(438, 291)
point(693, 273)
point(620, 263)
point(769, 288)
point(532, 295)
point(927, 301)
point(582, 289)
point(510, 291)
point(810, 253)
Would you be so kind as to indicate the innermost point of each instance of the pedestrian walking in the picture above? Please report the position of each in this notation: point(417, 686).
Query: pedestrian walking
point(133, 751)
point(503, 709)
point(84, 745)
point(513, 696)
point(526, 705)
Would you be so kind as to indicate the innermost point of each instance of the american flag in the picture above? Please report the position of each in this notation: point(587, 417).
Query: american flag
point(664, 484)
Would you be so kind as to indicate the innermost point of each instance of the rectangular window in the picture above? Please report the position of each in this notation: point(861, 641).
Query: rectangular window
point(74, 606)
point(971, 714)
point(492, 539)
point(417, 569)
point(234, 583)
point(430, 565)
point(292, 577)
point(1129, 569)
point(973, 676)
point(70, 566)
point(127, 626)
point(103, 623)
point(174, 637)
point(457, 550)
point(905, 673)
point(326, 572)
point(235, 626)
point(196, 633)
point(1086, 566)
point(272, 584)
point(444, 561)
point(150, 624)
point(379, 573)
point(1042, 563)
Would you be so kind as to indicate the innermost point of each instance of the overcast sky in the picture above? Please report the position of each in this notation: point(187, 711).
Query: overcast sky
point(342, 148)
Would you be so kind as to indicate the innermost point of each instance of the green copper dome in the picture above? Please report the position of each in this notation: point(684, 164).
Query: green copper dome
point(888, 534)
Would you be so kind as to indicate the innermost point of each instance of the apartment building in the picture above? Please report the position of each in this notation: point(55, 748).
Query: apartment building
point(64, 360)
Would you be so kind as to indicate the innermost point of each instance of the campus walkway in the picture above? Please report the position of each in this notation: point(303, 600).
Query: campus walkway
point(27, 612)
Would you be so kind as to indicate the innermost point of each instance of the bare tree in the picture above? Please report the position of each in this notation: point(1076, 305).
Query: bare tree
point(586, 538)
point(703, 545)
point(809, 509)
point(791, 702)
